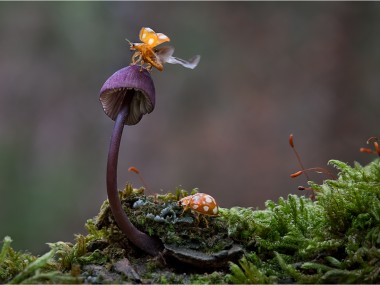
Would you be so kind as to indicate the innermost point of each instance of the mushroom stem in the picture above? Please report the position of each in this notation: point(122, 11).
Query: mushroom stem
point(146, 243)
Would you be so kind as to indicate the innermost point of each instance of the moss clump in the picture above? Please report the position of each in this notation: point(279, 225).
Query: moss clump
point(11, 261)
point(286, 226)
point(161, 216)
point(249, 271)
point(18, 267)
point(335, 239)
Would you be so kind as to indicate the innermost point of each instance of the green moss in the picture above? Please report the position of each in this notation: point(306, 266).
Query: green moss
point(11, 261)
point(17, 267)
point(248, 271)
point(286, 226)
point(335, 239)
point(39, 271)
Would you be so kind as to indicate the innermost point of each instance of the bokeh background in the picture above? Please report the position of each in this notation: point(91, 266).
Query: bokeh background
point(268, 69)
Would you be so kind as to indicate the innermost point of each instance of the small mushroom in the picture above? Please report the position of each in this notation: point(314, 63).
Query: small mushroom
point(126, 96)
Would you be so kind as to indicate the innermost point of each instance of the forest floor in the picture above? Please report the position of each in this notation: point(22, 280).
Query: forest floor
point(332, 238)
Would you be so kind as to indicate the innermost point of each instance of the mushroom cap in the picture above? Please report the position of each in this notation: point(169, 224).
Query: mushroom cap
point(128, 81)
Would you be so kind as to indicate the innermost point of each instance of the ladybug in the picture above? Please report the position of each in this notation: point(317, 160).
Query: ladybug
point(148, 53)
point(200, 203)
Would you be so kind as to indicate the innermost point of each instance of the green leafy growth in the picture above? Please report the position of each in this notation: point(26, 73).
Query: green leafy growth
point(352, 209)
point(286, 226)
point(18, 267)
point(11, 261)
point(69, 255)
point(33, 268)
point(247, 272)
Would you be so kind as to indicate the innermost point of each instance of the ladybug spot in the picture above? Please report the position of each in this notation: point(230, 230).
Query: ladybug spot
point(196, 198)
point(208, 199)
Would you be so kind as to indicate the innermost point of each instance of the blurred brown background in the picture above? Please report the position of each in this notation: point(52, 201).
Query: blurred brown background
point(268, 69)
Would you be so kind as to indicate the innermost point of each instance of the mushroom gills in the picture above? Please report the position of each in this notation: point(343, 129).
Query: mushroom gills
point(139, 106)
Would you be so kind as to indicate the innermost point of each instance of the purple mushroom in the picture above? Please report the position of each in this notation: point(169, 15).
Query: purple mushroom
point(126, 96)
